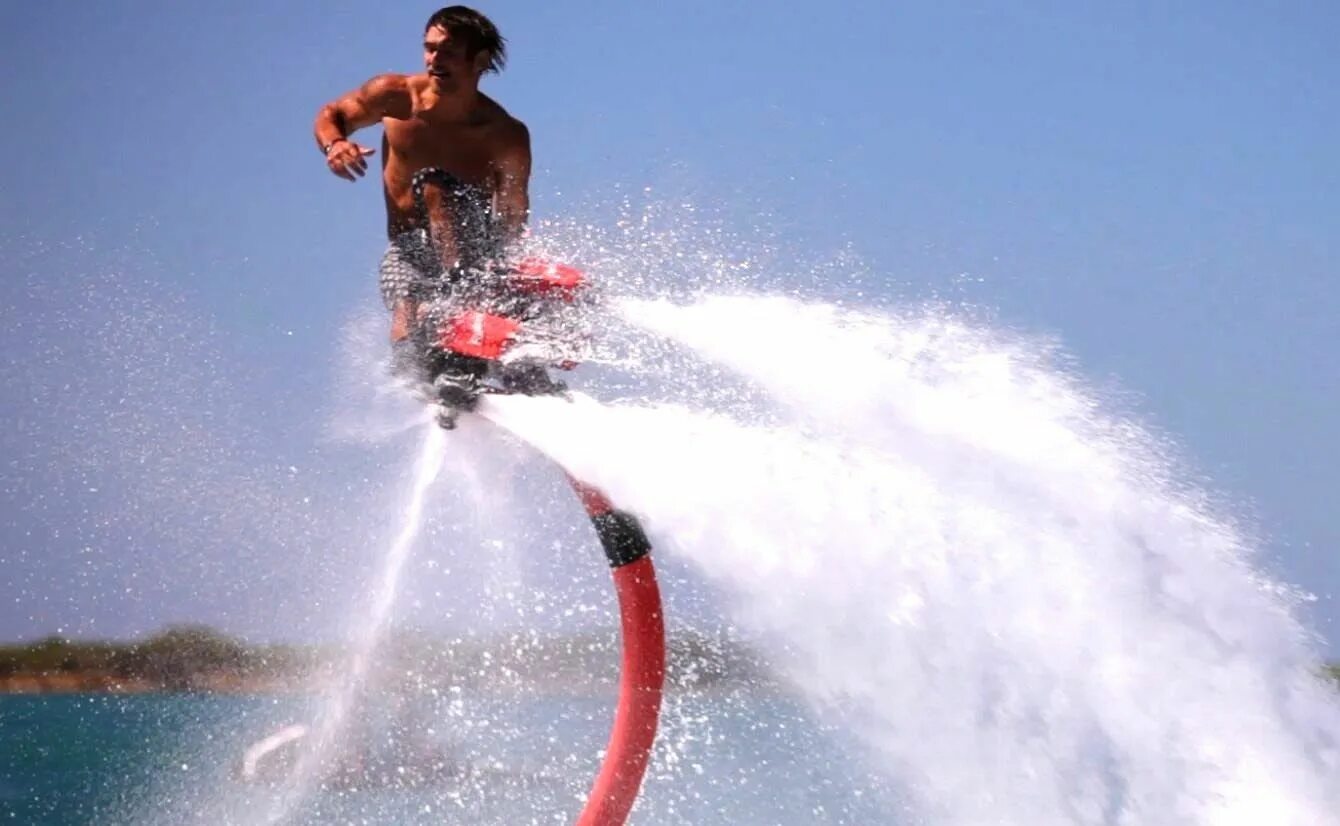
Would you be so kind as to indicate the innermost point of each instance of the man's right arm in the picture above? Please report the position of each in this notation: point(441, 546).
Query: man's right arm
point(383, 96)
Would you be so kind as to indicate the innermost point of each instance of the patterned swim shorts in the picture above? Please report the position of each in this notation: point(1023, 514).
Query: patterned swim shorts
point(412, 264)
point(407, 267)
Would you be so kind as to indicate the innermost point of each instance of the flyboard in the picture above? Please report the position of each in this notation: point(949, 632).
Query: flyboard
point(499, 332)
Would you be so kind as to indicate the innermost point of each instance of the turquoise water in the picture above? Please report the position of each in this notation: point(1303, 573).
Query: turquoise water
point(172, 759)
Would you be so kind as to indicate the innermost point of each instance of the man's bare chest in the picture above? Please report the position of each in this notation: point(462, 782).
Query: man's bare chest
point(465, 151)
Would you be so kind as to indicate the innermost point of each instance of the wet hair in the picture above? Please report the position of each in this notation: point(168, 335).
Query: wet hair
point(478, 32)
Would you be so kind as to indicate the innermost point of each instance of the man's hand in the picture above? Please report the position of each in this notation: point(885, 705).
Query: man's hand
point(383, 96)
point(346, 159)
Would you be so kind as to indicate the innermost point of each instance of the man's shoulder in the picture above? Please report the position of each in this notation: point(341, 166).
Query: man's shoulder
point(390, 83)
point(515, 133)
point(392, 95)
point(508, 128)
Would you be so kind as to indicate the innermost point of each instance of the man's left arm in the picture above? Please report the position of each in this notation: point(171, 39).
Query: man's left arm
point(513, 169)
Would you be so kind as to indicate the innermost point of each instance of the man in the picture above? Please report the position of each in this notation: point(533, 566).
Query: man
point(455, 164)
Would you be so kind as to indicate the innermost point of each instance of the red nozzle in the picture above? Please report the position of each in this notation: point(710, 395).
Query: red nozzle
point(541, 276)
point(479, 334)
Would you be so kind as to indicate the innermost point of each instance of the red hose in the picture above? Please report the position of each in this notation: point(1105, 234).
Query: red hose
point(642, 674)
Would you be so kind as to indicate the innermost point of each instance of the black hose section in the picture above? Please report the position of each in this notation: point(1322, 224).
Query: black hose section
point(621, 536)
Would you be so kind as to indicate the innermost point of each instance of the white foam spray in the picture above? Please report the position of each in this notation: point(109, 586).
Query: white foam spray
point(323, 744)
point(941, 539)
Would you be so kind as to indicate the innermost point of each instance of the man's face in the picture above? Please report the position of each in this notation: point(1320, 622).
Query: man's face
point(446, 58)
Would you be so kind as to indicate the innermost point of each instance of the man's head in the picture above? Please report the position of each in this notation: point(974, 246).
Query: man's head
point(459, 45)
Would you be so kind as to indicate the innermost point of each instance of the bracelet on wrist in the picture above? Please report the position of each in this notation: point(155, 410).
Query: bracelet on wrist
point(325, 150)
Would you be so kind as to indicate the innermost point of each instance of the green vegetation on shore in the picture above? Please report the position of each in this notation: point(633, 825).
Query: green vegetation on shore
point(175, 659)
point(197, 658)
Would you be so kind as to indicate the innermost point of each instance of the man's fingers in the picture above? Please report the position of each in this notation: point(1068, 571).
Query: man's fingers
point(353, 163)
point(350, 165)
point(346, 167)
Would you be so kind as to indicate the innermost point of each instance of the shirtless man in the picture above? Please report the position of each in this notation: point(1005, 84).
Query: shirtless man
point(455, 164)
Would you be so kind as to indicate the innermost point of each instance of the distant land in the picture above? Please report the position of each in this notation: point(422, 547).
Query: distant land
point(194, 658)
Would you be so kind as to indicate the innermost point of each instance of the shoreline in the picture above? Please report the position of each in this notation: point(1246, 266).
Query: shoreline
point(199, 660)
point(196, 659)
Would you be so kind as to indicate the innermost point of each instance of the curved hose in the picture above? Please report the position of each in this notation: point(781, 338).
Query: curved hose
point(642, 675)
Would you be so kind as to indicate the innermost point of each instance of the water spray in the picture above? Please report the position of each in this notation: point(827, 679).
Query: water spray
point(500, 339)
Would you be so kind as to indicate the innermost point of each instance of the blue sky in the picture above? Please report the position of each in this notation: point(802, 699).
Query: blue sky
point(1157, 185)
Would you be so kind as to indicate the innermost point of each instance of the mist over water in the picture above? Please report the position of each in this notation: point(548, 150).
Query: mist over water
point(933, 530)
point(375, 618)
point(943, 542)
